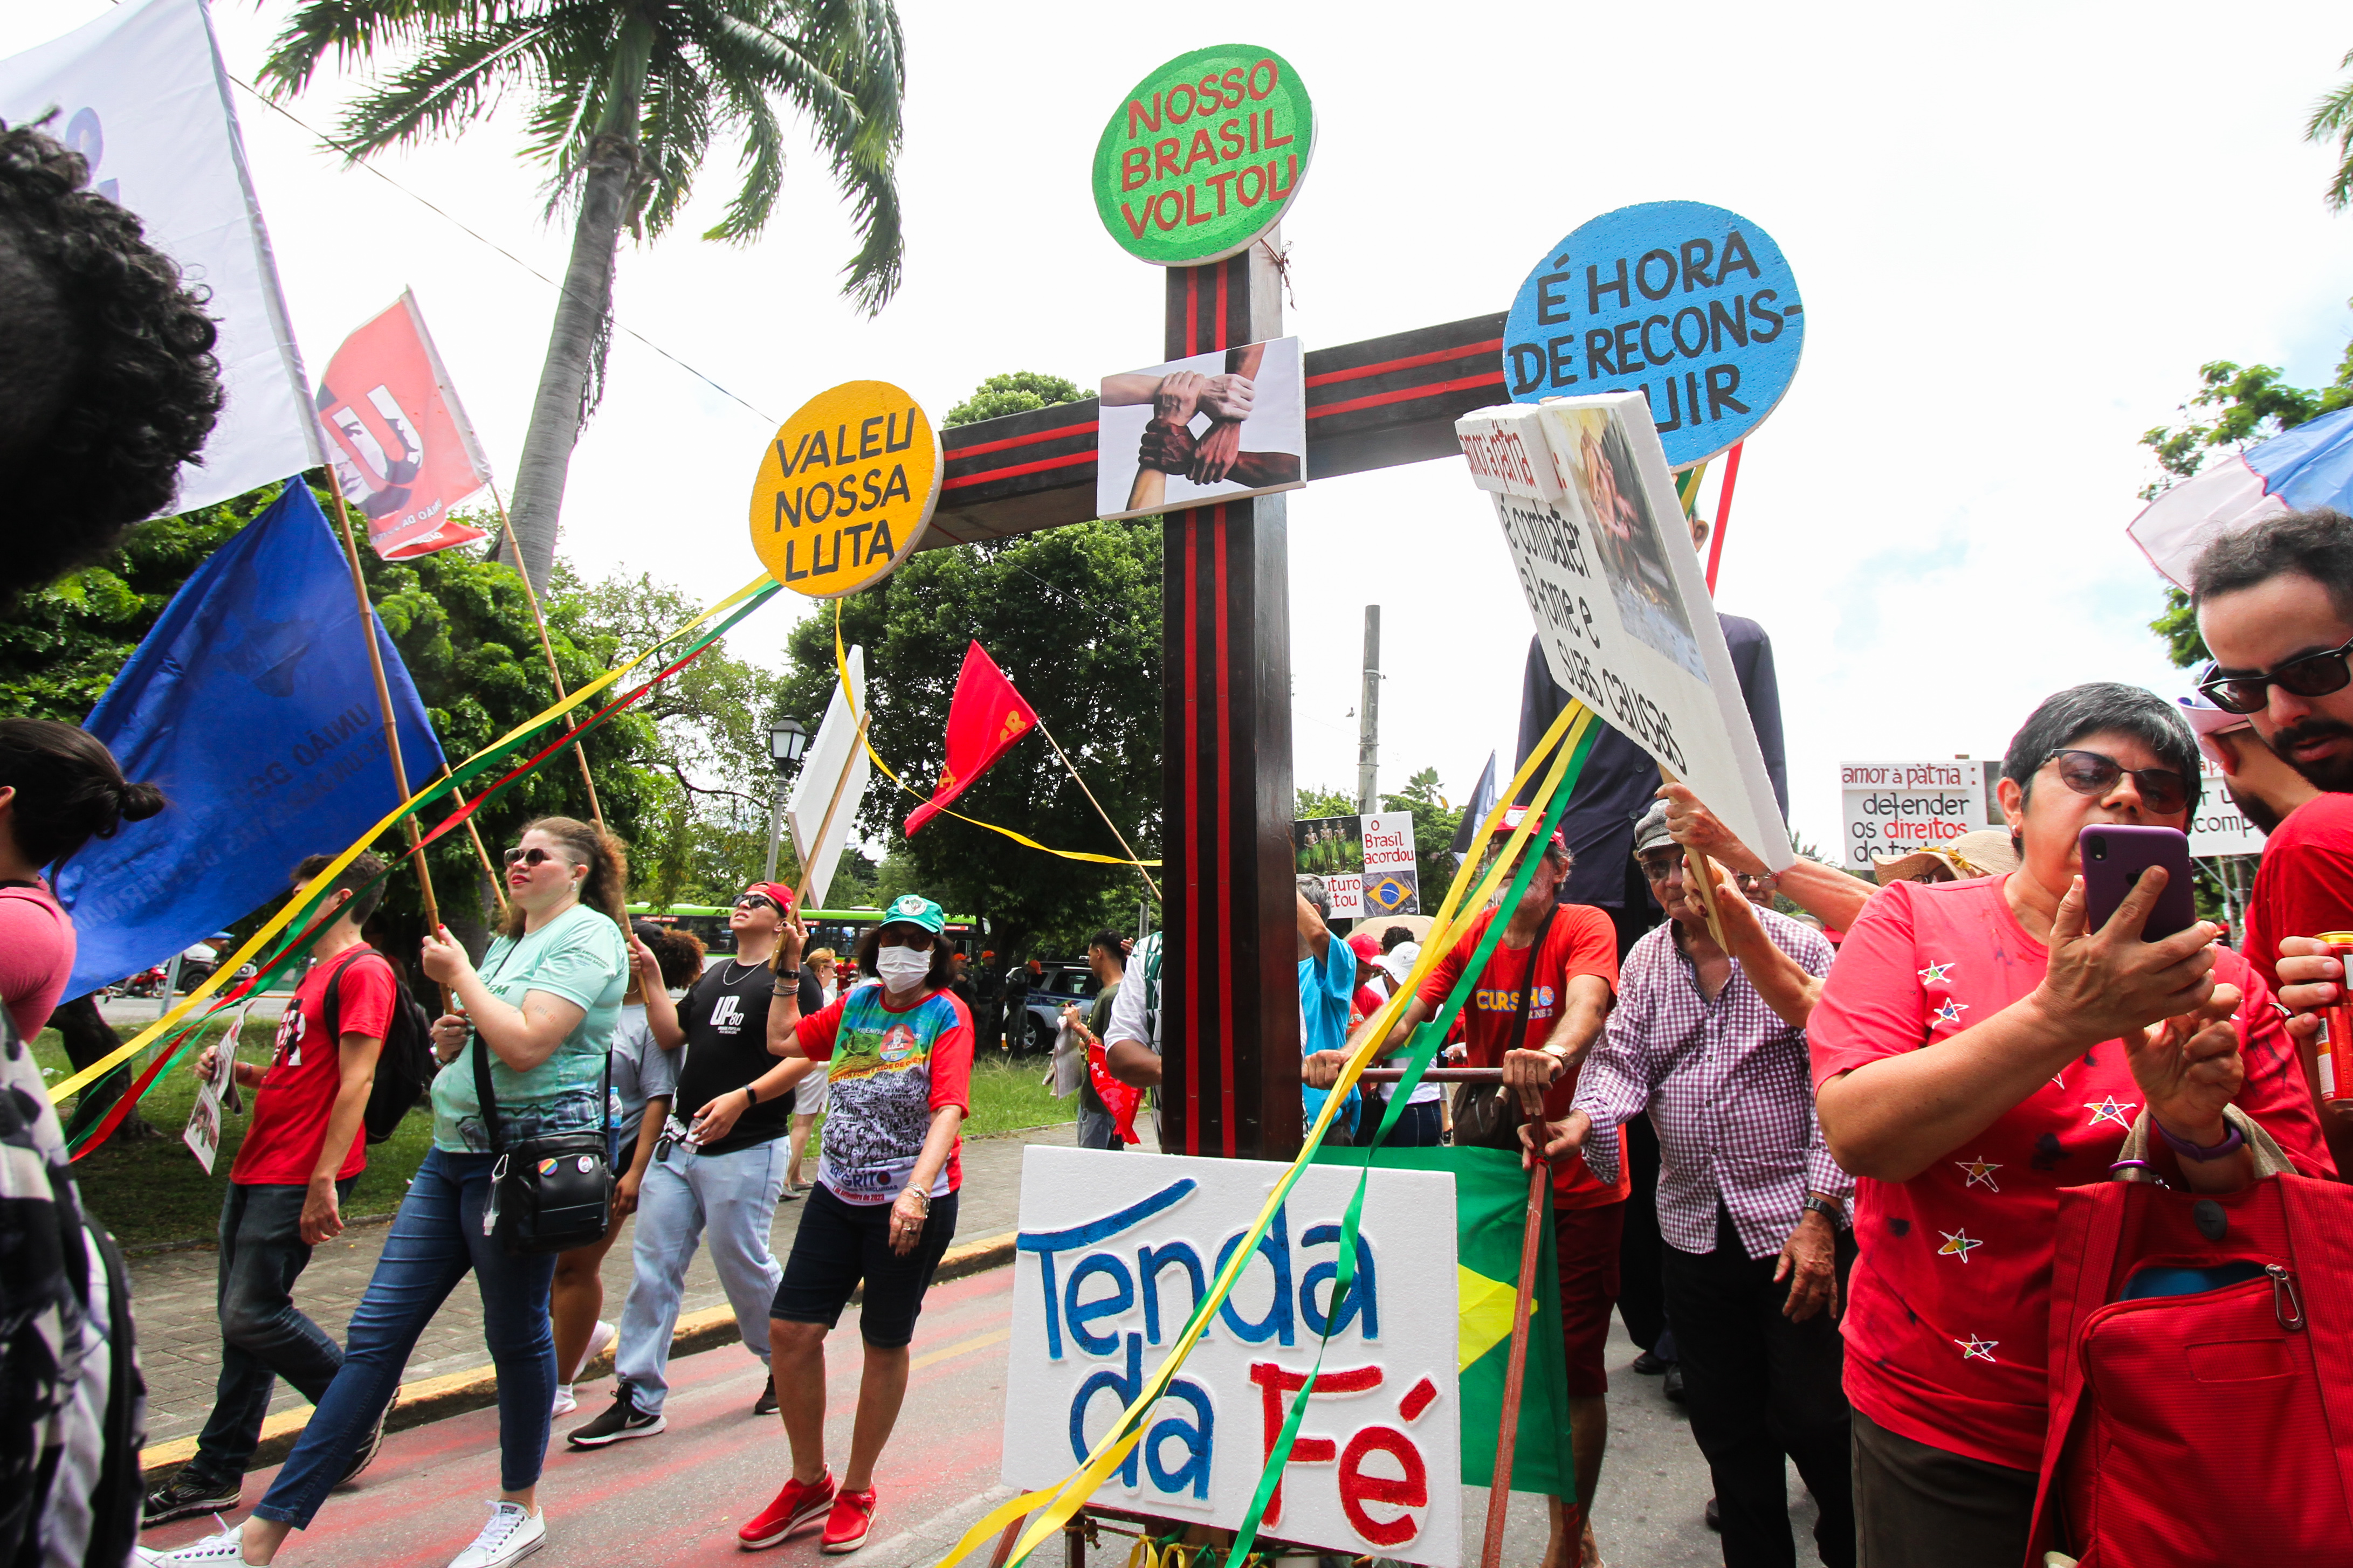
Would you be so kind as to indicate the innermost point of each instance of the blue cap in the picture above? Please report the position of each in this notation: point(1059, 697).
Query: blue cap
point(914, 910)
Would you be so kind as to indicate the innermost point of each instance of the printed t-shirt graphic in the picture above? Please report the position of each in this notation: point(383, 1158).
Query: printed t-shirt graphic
point(297, 1090)
point(1582, 942)
point(888, 1070)
point(726, 1017)
point(1947, 1317)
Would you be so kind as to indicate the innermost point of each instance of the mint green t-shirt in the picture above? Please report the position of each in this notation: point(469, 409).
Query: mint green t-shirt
point(579, 955)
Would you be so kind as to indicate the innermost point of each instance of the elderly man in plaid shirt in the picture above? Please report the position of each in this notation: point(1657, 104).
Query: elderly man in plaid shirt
point(1712, 1044)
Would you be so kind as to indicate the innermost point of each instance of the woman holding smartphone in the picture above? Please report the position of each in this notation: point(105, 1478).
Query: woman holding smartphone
point(1978, 1047)
point(543, 1006)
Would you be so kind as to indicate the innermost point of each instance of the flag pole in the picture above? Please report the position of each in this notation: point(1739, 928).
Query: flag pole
point(825, 824)
point(539, 616)
point(1115, 832)
point(384, 701)
point(481, 850)
point(1507, 1435)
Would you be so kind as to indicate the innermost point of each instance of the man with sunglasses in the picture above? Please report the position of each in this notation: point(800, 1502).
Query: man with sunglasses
point(2275, 606)
point(725, 1187)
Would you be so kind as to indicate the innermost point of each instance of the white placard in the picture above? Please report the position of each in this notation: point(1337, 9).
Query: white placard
point(2218, 826)
point(1621, 601)
point(1895, 808)
point(1116, 1248)
point(202, 1134)
point(140, 92)
point(835, 750)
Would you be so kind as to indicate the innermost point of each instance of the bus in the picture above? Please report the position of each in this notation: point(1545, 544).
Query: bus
point(836, 929)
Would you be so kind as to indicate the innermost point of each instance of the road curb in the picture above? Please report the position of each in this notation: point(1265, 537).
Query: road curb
point(437, 1398)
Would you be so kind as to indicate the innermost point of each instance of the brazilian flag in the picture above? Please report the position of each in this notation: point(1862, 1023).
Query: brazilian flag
point(1491, 1206)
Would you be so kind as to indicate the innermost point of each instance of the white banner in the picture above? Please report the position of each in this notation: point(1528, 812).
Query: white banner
point(1116, 1250)
point(141, 93)
point(1894, 808)
point(2218, 826)
point(817, 839)
point(1620, 600)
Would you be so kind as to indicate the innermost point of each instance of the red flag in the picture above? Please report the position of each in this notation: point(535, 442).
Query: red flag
point(402, 449)
point(987, 717)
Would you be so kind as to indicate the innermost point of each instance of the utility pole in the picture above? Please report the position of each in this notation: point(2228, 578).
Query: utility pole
point(1369, 716)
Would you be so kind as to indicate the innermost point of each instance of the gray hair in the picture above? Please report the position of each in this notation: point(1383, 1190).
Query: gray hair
point(2067, 717)
point(1311, 889)
point(2317, 544)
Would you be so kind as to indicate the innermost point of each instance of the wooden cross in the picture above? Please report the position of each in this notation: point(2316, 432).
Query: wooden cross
point(1229, 1018)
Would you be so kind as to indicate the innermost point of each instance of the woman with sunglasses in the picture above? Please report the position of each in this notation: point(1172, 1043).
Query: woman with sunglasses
point(898, 1059)
point(1977, 1048)
point(543, 1006)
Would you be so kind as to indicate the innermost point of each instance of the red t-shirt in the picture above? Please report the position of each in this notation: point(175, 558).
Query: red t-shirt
point(1582, 942)
point(1947, 1317)
point(37, 955)
point(2305, 886)
point(298, 1093)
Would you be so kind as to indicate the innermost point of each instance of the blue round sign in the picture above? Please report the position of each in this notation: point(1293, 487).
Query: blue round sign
point(1692, 305)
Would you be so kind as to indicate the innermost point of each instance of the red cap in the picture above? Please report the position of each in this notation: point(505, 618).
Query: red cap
point(776, 893)
point(1510, 822)
point(1365, 945)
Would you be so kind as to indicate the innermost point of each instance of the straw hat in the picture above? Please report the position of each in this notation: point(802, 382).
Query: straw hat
point(1984, 853)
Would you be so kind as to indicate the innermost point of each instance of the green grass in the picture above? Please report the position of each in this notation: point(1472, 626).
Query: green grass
point(152, 1190)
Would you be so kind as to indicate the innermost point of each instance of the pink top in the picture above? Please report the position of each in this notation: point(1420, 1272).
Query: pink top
point(37, 955)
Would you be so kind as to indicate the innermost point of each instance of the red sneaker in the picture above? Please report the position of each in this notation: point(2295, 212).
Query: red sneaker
point(853, 1519)
point(795, 1506)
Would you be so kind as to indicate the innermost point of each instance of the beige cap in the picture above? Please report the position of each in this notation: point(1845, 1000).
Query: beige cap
point(1987, 852)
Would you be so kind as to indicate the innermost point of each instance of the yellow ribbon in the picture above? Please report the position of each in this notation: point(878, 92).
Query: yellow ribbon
point(841, 667)
point(226, 970)
point(1446, 929)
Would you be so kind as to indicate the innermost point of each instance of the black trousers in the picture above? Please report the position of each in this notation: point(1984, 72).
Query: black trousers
point(1759, 1387)
point(1641, 1255)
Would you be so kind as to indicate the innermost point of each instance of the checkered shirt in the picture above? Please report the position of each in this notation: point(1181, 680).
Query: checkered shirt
point(1725, 1083)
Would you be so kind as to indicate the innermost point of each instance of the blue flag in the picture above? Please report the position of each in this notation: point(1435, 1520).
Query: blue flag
point(251, 705)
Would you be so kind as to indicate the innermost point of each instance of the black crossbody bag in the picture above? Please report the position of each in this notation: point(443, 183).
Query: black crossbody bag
point(547, 1194)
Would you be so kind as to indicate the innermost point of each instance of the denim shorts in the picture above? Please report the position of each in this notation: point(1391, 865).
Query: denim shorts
point(840, 1244)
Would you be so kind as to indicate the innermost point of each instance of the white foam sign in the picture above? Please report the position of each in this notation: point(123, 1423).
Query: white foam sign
point(1116, 1250)
point(2218, 826)
point(1895, 808)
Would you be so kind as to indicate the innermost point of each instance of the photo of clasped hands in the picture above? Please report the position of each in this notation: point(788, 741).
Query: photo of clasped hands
point(1211, 456)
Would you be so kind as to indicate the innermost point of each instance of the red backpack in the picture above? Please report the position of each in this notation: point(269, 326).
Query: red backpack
point(2201, 1373)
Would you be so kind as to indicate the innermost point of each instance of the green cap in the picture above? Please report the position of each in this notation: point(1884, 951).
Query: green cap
point(914, 910)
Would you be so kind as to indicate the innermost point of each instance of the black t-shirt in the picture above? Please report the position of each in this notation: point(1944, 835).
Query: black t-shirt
point(726, 1021)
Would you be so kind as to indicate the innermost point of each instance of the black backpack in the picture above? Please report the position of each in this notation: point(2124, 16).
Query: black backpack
point(405, 1067)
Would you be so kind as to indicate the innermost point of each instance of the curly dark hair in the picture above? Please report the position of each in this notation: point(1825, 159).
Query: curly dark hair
point(106, 356)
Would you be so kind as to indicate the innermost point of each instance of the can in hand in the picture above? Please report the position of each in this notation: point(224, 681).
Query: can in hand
point(2334, 1048)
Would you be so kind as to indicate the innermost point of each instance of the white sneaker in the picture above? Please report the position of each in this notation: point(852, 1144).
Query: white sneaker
point(600, 1336)
point(511, 1535)
point(566, 1404)
point(213, 1551)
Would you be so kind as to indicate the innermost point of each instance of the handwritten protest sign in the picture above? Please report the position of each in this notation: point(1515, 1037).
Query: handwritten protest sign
point(1692, 305)
point(1588, 509)
point(1894, 808)
point(1114, 1252)
point(845, 489)
point(1203, 155)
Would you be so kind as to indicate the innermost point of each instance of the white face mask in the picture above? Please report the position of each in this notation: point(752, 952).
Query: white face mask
point(902, 968)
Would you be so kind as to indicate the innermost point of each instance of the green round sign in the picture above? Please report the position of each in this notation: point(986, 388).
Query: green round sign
point(1204, 155)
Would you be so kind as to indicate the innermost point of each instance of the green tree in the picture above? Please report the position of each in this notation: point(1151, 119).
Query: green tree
point(1434, 822)
point(625, 99)
point(1017, 391)
point(2332, 116)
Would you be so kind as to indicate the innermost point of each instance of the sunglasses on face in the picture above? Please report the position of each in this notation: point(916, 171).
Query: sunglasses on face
point(2088, 772)
point(755, 902)
point(921, 941)
point(2314, 675)
point(534, 858)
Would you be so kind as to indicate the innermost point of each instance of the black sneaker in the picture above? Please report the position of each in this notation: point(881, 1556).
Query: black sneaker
point(766, 1403)
point(184, 1496)
point(368, 1448)
point(1675, 1382)
point(1650, 1365)
point(622, 1421)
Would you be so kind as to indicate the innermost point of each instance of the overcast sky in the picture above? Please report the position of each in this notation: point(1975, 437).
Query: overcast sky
point(2017, 235)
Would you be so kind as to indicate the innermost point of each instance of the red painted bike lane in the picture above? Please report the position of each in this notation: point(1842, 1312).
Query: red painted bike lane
point(678, 1498)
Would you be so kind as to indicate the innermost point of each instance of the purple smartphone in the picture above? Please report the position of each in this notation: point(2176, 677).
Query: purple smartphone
point(2115, 855)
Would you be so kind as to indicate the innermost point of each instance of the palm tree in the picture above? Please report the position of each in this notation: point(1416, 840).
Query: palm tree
point(625, 99)
point(2333, 117)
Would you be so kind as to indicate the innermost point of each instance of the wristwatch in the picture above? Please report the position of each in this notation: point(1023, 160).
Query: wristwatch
point(1827, 1208)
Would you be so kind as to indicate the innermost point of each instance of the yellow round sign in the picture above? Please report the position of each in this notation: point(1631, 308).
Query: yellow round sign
point(846, 489)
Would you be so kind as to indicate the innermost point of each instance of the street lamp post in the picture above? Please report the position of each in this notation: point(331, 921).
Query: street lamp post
point(787, 740)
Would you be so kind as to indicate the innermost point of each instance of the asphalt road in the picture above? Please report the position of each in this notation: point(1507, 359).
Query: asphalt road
point(677, 1498)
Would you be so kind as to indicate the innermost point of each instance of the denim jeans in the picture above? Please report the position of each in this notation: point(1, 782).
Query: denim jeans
point(436, 1239)
point(264, 1336)
point(687, 1195)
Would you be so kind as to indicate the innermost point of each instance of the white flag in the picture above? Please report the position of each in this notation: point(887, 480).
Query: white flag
point(141, 93)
